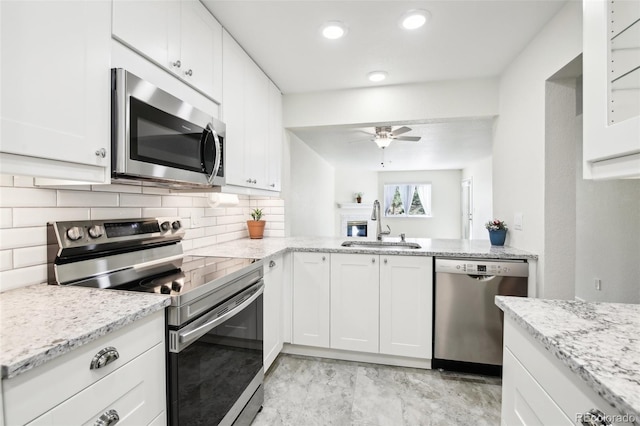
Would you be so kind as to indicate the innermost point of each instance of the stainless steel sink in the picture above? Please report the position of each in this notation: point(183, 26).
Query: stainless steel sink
point(382, 244)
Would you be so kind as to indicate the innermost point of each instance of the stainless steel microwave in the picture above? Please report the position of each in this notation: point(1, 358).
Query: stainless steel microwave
point(161, 139)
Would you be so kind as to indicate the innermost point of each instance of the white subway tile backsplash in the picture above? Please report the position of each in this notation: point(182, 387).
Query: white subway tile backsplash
point(29, 256)
point(23, 237)
point(23, 181)
point(25, 209)
point(159, 212)
point(27, 197)
point(6, 217)
point(139, 200)
point(24, 217)
point(116, 213)
point(22, 277)
point(176, 201)
point(6, 180)
point(87, 199)
point(6, 260)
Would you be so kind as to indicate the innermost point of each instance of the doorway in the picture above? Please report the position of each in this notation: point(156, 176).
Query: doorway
point(466, 208)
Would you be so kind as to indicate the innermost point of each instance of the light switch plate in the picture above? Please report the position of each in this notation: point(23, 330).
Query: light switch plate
point(517, 222)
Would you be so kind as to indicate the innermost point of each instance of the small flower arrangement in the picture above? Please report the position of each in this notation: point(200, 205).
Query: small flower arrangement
point(495, 225)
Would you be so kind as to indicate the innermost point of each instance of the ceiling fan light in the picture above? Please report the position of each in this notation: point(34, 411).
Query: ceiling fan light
point(383, 142)
point(414, 19)
point(334, 30)
point(377, 76)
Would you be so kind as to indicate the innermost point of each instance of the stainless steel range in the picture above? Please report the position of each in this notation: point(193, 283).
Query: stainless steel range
point(214, 324)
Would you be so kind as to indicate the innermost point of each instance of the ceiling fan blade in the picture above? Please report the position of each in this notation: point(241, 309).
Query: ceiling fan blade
point(408, 138)
point(401, 130)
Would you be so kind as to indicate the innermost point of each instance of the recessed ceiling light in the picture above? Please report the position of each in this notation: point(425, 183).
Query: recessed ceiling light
point(376, 76)
point(334, 30)
point(414, 19)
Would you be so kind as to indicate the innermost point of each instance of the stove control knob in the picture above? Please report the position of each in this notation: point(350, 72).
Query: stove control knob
point(96, 231)
point(75, 233)
point(176, 286)
point(165, 289)
point(176, 225)
point(165, 226)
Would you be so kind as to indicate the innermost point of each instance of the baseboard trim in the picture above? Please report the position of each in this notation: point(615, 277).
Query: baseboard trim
point(356, 356)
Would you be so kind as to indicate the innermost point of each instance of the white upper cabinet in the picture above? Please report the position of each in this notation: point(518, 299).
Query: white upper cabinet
point(55, 97)
point(252, 111)
point(611, 73)
point(180, 36)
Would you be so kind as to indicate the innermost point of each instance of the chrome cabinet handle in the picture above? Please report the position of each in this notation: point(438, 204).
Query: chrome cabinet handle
point(251, 180)
point(108, 418)
point(105, 357)
point(594, 417)
point(272, 264)
point(254, 181)
point(101, 153)
point(373, 260)
point(273, 185)
point(189, 73)
point(324, 258)
point(385, 261)
point(177, 63)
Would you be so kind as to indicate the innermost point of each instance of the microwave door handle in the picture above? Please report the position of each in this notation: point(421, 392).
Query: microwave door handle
point(218, 153)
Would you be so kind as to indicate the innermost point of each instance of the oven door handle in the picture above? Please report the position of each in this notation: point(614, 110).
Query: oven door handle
point(190, 334)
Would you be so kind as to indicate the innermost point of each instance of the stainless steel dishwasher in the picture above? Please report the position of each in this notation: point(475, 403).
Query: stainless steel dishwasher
point(467, 330)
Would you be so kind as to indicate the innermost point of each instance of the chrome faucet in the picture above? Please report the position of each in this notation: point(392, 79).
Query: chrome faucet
point(375, 215)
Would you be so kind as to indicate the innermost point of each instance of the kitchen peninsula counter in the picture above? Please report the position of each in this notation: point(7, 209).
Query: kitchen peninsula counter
point(41, 322)
point(268, 247)
point(597, 341)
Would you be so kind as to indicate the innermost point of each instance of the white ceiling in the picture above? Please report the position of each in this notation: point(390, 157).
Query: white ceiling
point(463, 39)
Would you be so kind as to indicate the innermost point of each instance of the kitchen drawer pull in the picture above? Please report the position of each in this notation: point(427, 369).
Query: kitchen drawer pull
point(189, 73)
point(595, 417)
point(177, 63)
point(105, 357)
point(101, 153)
point(272, 264)
point(108, 418)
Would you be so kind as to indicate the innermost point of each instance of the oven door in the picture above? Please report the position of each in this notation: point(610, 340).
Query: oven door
point(216, 364)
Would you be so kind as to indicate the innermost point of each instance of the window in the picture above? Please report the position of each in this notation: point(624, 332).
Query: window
point(407, 200)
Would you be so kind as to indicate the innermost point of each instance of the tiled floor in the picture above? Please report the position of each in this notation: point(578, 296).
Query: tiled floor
point(304, 391)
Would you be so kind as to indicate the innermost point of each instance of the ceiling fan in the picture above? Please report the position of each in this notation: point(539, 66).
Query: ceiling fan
point(384, 135)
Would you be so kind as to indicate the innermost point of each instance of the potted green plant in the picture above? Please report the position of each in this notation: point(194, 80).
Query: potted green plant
point(256, 226)
point(358, 196)
point(497, 231)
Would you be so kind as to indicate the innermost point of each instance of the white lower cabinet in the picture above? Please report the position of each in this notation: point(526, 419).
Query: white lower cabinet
point(365, 303)
point(537, 388)
point(355, 298)
point(406, 305)
point(66, 391)
point(272, 309)
point(311, 275)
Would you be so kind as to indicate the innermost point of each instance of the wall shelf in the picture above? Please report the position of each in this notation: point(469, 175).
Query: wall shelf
point(363, 206)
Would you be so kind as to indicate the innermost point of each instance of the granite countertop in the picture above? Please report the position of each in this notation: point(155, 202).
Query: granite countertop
point(41, 322)
point(597, 341)
point(268, 247)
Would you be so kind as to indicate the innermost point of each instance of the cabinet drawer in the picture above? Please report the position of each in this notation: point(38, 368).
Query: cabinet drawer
point(564, 387)
point(136, 392)
point(525, 402)
point(38, 390)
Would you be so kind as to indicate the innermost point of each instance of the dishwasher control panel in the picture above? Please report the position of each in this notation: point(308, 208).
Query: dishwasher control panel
point(518, 268)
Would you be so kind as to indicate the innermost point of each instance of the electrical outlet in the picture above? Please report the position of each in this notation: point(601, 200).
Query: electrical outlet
point(195, 219)
point(598, 284)
point(517, 222)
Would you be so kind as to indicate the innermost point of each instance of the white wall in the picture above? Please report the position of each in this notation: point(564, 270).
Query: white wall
point(311, 195)
point(608, 238)
point(402, 103)
point(480, 172)
point(519, 142)
point(26, 209)
point(445, 201)
point(563, 132)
